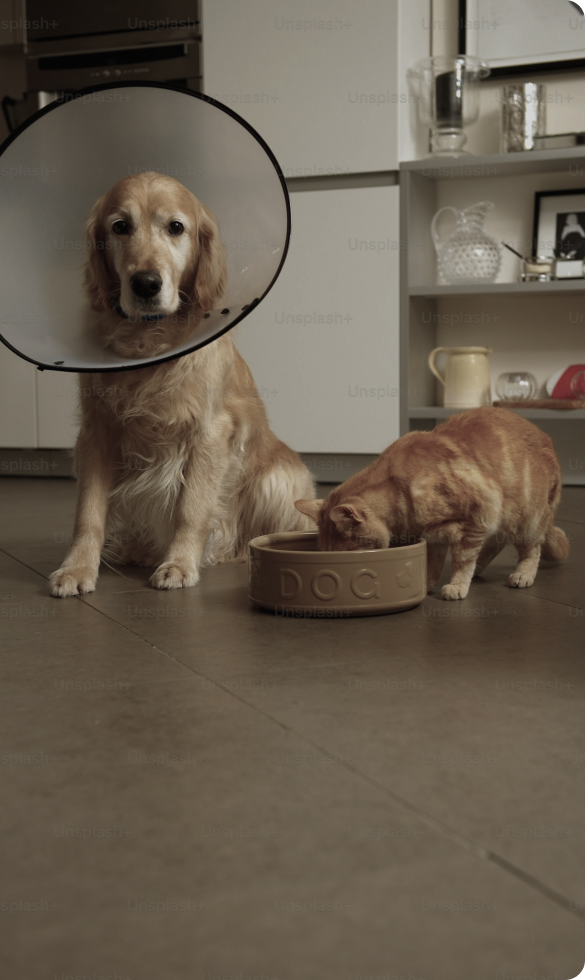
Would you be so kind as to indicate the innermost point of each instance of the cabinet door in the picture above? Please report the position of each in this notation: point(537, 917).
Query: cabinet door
point(37, 408)
point(18, 415)
point(57, 409)
point(318, 80)
point(323, 344)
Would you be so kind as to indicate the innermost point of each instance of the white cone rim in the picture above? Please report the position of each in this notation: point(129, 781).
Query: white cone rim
point(262, 189)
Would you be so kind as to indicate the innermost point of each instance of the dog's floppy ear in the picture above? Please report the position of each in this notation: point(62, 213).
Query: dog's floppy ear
point(211, 274)
point(97, 280)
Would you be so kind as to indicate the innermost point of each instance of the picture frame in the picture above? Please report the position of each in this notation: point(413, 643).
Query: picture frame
point(522, 37)
point(559, 224)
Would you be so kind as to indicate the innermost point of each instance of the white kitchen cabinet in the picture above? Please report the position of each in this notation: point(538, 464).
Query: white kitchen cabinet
point(325, 85)
point(18, 402)
point(323, 81)
point(56, 409)
point(323, 344)
point(37, 408)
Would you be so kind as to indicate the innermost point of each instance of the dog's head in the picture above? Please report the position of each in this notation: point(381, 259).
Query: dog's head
point(153, 247)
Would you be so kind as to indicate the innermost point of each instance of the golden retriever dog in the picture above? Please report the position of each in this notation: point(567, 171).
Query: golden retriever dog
point(176, 464)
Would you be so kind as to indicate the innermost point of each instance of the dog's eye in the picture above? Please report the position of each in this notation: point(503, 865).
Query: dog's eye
point(176, 228)
point(120, 227)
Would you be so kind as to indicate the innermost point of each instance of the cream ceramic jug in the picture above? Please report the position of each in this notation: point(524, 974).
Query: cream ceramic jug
point(467, 376)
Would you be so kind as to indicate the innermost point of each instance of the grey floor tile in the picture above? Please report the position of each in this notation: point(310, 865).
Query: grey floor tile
point(572, 505)
point(170, 830)
point(562, 582)
point(328, 798)
point(482, 750)
point(565, 582)
point(445, 682)
point(17, 578)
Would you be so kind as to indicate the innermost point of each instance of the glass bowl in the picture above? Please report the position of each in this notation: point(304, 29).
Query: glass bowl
point(516, 386)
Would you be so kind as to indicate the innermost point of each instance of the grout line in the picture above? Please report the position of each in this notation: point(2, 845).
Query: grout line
point(483, 854)
point(21, 562)
point(556, 602)
point(100, 612)
point(525, 593)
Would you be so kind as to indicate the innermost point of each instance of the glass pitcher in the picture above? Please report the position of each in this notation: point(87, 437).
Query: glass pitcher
point(470, 255)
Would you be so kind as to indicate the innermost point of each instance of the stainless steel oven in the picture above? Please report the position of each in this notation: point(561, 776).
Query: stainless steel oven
point(69, 46)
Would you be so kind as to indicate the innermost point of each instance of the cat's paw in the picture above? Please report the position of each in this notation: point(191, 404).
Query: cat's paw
point(520, 580)
point(77, 580)
point(451, 591)
point(172, 575)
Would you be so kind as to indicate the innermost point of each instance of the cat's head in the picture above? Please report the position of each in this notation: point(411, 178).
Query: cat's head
point(345, 526)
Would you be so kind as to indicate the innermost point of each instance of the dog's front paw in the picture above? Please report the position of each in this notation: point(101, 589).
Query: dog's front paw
point(76, 580)
point(171, 575)
point(451, 591)
point(520, 580)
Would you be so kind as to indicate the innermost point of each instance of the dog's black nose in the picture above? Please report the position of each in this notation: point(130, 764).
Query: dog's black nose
point(146, 284)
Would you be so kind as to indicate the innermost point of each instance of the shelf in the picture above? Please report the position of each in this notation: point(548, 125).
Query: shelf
point(434, 412)
point(510, 180)
point(496, 288)
point(496, 164)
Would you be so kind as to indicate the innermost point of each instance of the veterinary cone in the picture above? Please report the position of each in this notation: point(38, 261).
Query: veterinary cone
point(61, 161)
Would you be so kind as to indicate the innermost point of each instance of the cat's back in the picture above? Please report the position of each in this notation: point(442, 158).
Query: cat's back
point(500, 445)
point(491, 444)
point(491, 431)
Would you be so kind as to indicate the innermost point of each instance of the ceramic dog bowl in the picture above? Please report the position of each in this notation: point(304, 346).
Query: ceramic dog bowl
point(288, 576)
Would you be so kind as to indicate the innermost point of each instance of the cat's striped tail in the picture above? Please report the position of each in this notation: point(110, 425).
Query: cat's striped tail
point(555, 547)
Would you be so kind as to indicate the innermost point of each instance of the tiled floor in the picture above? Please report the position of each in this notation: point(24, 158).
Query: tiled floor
point(196, 789)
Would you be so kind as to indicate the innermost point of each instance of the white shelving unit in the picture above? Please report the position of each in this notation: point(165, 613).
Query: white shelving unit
point(538, 327)
point(542, 288)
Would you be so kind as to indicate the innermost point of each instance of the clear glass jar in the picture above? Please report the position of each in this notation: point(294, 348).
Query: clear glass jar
point(537, 268)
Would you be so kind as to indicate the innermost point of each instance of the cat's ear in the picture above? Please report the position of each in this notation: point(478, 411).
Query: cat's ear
point(346, 514)
point(312, 508)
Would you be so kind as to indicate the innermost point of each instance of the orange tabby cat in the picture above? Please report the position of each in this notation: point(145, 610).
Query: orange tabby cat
point(479, 481)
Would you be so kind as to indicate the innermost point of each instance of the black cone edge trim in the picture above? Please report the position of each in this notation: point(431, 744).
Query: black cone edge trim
point(218, 105)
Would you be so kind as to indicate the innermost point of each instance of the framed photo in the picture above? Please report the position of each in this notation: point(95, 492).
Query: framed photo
point(518, 37)
point(559, 224)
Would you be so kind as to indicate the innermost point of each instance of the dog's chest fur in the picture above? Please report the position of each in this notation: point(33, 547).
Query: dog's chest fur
point(156, 420)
